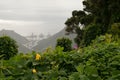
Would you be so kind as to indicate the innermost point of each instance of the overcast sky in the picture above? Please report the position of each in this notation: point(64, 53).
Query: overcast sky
point(36, 16)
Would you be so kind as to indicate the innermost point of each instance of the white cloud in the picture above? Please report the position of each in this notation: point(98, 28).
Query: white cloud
point(46, 16)
point(27, 27)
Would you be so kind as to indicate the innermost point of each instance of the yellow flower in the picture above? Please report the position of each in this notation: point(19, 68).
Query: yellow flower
point(38, 57)
point(34, 71)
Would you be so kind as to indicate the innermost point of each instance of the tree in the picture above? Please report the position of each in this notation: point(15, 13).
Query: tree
point(8, 47)
point(73, 24)
point(65, 43)
point(90, 33)
point(102, 13)
point(115, 29)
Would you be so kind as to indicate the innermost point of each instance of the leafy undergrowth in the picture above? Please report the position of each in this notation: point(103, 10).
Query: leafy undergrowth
point(99, 61)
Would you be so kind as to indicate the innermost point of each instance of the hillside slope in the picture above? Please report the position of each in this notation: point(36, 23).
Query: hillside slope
point(51, 41)
point(18, 38)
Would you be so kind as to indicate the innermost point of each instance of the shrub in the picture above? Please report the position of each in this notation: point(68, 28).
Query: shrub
point(65, 43)
point(8, 47)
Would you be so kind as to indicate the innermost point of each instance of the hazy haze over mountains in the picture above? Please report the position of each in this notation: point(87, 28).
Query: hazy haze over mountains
point(51, 41)
point(18, 38)
point(36, 16)
point(23, 17)
point(41, 45)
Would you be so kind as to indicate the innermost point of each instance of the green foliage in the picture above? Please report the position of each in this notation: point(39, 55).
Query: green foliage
point(96, 19)
point(98, 61)
point(66, 43)
point(8, 47)
point(90, 33)
point(115, 29)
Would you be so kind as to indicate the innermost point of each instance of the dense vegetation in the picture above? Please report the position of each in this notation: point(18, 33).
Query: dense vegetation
point(96, 19)
point(66, 43)
point(99, 61)
point(8, 47)
point(96, 58)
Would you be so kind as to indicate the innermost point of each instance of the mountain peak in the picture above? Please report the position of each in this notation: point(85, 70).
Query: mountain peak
point(14, 35)
point(17, 37)
point(51, 41)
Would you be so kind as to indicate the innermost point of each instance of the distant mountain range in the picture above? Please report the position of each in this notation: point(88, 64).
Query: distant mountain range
point(51, 41)
point(41, 45)
point(18, 38)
